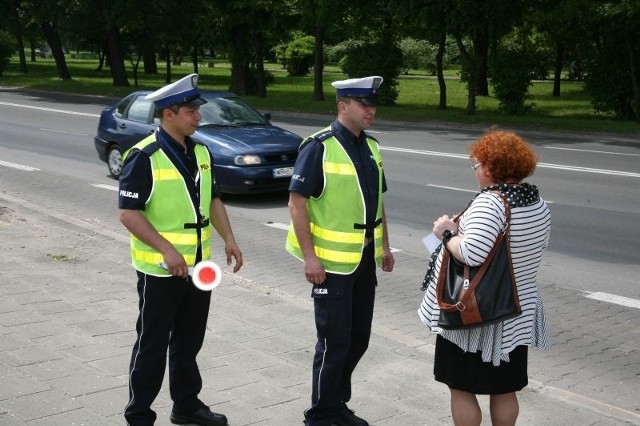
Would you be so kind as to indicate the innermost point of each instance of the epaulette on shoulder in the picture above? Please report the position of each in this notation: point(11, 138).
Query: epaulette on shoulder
point(151, 148)
point(321, 136)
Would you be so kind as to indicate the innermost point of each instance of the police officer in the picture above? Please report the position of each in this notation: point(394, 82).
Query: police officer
point(169, 202)
point(339, 231)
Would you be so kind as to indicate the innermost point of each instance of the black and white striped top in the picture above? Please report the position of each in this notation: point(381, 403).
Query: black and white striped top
point(479, 227)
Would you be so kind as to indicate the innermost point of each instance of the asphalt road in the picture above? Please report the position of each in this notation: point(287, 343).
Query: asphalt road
point(591, 182)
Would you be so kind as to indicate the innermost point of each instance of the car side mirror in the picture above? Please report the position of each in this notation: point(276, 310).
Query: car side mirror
point(267, 116)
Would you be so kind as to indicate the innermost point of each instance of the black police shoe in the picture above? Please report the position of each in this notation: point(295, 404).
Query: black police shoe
point(204, 417)
point(347, 417)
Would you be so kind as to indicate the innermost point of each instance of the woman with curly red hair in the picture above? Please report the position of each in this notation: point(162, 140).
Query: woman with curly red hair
point(492, 359)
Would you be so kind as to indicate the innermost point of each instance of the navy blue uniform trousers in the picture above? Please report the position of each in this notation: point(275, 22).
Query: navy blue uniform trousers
point(173, 315)
point(343, 317)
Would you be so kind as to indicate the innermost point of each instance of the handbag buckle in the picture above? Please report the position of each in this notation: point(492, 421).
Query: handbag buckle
point(460, 306)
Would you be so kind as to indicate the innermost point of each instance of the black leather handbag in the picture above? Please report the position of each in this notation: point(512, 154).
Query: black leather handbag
point(476, 296)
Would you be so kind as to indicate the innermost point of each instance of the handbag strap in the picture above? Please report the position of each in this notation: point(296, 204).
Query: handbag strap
point(469, 287)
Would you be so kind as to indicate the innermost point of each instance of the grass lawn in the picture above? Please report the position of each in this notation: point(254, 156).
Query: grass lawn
point(417, 101)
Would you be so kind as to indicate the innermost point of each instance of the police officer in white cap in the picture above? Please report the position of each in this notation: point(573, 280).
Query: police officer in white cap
point(339, 231)
point(169, 202)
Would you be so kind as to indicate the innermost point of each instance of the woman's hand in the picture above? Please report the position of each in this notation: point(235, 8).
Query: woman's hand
point(443, 223)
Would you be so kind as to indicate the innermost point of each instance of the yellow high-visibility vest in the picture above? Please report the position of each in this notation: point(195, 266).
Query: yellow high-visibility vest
point(334, 214)
point(172, 213)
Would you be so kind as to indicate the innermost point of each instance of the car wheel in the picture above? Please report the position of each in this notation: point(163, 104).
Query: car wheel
point(114, 161)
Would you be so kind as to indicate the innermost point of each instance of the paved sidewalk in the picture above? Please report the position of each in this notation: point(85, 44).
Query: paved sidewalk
point(68, 307)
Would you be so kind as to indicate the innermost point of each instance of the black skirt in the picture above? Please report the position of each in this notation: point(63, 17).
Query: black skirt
point(467, 372)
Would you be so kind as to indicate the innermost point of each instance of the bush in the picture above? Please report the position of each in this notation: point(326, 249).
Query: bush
point(608, 78)
point(7, 47)
point(335, 53)
point(297, 57)
point(418, 55)
point(381, 58)
point(512, 68)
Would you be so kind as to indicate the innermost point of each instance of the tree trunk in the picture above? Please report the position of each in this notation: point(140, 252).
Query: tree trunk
point(195, 58)
point(318, 65)
point(116, 58)
point(149, 58)
point(177, 57)
point(19, 37)
point(481, 48)
point(634, 77)
point(53, 39)
point(471, 69)
point(258, 45)
point(239, 61)
point(168, 59)
point(115, 50)
point(440, 71)
point(32, 46)
point(557, 75)
point(102, 56)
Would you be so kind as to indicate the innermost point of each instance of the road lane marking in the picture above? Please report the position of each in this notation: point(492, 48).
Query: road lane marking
point(103, 186)
point(466, 190)
point(588, 170)
point(541, 165)
point(593, 151)
point(62, 111)
point(18, 166)
point(451, 188)
point(64, 132)
point(277, 225)
point(613, 298)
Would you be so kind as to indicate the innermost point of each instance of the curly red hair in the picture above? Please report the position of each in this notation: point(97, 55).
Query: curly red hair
point(507, 157)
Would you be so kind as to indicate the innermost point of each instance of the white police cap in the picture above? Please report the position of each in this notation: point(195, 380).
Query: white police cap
point(183, 92)
point(364, 90)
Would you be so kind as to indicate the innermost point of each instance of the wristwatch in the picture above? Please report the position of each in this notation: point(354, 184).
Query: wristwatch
point(446, 236)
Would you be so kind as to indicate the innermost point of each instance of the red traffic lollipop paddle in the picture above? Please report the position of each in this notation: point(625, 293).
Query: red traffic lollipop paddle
point(206, 275)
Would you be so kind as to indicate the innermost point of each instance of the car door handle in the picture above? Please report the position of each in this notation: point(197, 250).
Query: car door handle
point(151, 131)
point(122, 126)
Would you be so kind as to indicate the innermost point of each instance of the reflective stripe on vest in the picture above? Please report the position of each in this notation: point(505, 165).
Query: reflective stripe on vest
point(337, 243)
point(169, 208)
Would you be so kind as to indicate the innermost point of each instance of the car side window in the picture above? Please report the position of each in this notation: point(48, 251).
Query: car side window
point(122, 106)
point(140, 110)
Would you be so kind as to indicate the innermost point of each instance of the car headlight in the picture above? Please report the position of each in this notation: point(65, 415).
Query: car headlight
point(247, 160)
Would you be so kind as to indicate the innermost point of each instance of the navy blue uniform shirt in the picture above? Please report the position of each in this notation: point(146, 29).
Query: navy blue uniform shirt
point(308, 179)
point(136, 180)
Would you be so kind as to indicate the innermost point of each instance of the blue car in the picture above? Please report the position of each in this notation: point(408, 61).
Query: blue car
point(250, 154)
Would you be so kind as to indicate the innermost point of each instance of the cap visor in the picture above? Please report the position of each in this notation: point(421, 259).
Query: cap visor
point(366, 100)
point(194, 102)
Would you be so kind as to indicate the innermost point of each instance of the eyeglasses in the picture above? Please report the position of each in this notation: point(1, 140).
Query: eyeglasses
point(475, 166)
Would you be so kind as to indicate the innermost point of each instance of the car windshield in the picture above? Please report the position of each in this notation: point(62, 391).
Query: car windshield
point(228, 111)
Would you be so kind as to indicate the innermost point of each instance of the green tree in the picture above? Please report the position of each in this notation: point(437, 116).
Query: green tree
point(319, 17)
point(477, 26)
point(115, 46)
point(7, 47)
point(566, 22)
point(16, 14)
point(51, 16)
point(242, 27)
point(613, 64)
point(431, 20)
